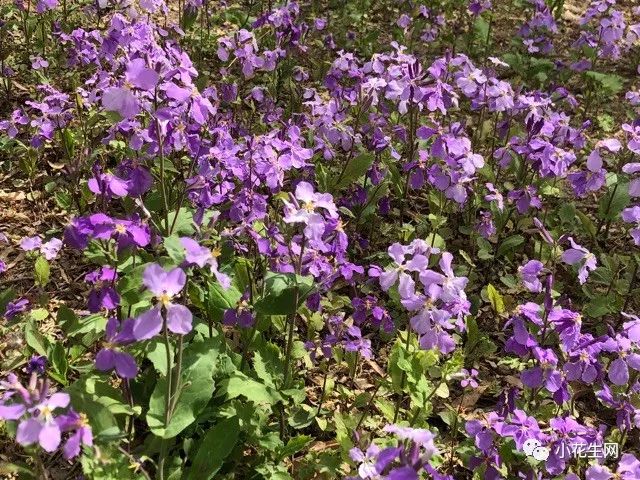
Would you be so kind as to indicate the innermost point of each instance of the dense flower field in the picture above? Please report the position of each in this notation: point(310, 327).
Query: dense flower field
point(319, 240)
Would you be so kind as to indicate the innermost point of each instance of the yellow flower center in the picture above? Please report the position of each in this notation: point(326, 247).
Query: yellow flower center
point(309, 206)
point(164, 299)
point(83, 421)
point(216, 252)
point(120, 228)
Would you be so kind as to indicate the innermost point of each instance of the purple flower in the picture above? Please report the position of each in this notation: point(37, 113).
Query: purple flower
point(14, 308)
point(103, 294)
point(355, 343)
point(308, 207)
point(367, 461)
point(529, 273)
point(29, 244)
point(36, 364)
point(201, 256)
point(77, 423)
point(522, 427)
point(45, 5)
point(525, 199)
point(494, 196)
point(111, 357)
point(591, 180)
point(628, 469)
point(42, 427)
point(99, 226)
point(108, 185)
point(241, 315)
point(139, 76)
point(420, 436)
point(38, 63)
point(120, 100)
point(579, 254)
point(164, 285)
point(632, 215)
point(485, 226)
point(51, 248)
point(469, 378)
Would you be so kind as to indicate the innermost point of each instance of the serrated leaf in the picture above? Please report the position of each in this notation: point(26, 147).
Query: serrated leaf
point(610, 82)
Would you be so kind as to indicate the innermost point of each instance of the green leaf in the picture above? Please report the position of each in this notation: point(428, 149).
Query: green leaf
point(294, 445)
point(279, 297)
point(510, 243)
point(5, 297)
point(35, 339)
point(587, 224)
point(184, 222)
point(102, 421)
point(157, 353)
point(478, 345)
point(95, 323)
point(97, 387)
point(59, 362)
point(195, 390)
point(614, 201)
point(42, 271)
point(220, 299)
point(240, 385)
point(481, 30)
point(268, 363)
point(356, 167)
point(610, 82)
point(174, 248)
point(215, 446)
point(567, 212)
point(495, 299)
point(602, 305)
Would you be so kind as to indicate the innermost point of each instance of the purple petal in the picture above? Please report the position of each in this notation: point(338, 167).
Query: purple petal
point(28, 432)
point(11, 412)
point(179, 318)
point(71, 448)
point(105, 360)
point(148, 324)
point(572, 256)
point(619, 372)
point(125, 365)
point(49, 436)
point(120, 100)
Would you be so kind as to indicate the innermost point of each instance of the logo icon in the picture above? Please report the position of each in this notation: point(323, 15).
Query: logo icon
point(534, 448)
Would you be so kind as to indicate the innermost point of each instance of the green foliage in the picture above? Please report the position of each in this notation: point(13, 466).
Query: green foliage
point(195, 388)
point(280, 293)
point(213, 448)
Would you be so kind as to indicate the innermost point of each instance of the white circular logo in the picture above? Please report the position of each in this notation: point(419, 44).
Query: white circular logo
point(541, 453)
point(530, 445)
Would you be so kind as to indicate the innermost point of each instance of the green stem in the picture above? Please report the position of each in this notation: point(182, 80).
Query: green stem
point(291, 321)
point(163, 188)
point(167, 397)
point(403, 379)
